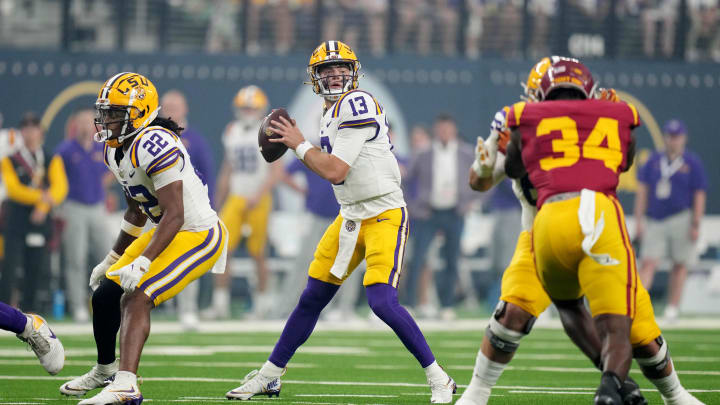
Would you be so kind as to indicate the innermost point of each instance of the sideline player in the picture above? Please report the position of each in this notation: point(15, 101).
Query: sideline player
point(523, 298)
point(144, 269)
point(244, 191)
point(356, 157)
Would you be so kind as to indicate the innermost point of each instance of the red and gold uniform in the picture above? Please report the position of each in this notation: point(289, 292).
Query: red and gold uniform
point(574, 152)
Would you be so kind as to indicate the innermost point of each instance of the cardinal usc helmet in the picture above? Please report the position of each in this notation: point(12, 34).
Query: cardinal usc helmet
point(126, 98)
point(331, 53)
point(567, 73)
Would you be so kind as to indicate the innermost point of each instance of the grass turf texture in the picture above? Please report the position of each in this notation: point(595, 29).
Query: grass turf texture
point(352, 368)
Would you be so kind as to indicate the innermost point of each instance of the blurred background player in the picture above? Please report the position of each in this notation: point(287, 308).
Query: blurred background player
point(244, 191)
point(173, 105)
point(441, 201)
point(35, 182)
point(356, 157)
point(34, 330)
point(672, 188)
point(85, 232)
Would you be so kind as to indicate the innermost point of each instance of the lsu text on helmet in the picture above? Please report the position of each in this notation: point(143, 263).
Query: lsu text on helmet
point(126, 103)
point(331, 53)
point(567, 73)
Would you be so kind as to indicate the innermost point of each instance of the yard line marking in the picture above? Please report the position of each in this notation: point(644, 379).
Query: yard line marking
point(228, 364)
point(551, 392)
point(346, 395)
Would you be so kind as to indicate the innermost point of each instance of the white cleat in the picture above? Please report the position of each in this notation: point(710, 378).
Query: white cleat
point(442, 390)
point(116, 393)
point(79, 386)
point(45, 344)
point(256, 384)
point(684, 398)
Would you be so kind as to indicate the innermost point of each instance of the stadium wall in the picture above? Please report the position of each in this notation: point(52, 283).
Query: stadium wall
point(413, 90)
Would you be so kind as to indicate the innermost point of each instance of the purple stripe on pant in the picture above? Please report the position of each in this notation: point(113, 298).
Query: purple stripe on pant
point(401, 231)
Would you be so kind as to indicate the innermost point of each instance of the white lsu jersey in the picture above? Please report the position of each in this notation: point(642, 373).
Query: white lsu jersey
point(372, 185)
point(249, 170)
point(142, 170)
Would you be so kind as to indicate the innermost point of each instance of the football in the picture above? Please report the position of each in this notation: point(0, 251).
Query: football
point(271, 151)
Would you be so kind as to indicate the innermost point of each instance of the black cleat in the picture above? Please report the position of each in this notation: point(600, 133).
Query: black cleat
point(608, 393)
point(630, 393)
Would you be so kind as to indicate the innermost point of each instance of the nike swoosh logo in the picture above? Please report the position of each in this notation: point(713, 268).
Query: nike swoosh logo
point(382, 219)
point(72, 389)
point(132, 173)
point(328, 125)
point(130, 391)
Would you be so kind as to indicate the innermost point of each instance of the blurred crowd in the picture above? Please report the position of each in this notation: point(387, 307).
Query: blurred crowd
point(654, 29)
point(60, 214)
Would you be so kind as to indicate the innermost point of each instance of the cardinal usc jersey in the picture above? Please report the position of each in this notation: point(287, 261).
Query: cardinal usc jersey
point(249, 170)
point(141, 170)
point(570, 145)
point(372, 185)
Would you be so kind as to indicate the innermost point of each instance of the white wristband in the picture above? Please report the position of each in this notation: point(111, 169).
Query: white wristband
point(481, 171)
point(112, 257)
point(302, 149)
point(130, 229)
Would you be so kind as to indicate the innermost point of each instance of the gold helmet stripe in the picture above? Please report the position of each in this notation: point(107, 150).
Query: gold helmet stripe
point(110, 82)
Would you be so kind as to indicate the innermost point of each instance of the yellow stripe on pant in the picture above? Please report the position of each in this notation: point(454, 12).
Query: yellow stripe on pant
point(381, 242)
point(188, 256)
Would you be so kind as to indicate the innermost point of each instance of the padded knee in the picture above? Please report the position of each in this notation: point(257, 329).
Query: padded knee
point(501, 309)
point(659, 361)
point(501, 337)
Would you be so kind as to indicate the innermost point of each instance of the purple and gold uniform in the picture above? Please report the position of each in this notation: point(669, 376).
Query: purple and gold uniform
point(201, 243)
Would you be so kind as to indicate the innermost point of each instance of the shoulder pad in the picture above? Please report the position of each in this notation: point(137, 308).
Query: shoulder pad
point(635, 120)
point(356, 104)
point(514, 113)
point(155, 149)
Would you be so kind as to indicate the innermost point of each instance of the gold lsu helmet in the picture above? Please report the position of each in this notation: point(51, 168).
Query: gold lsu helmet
point(327, 53)
point(532, 86)
point(127, 98)
point(251, 97)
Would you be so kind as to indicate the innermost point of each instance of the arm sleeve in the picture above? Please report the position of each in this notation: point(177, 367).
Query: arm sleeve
point(349, 143)
point(17, 191)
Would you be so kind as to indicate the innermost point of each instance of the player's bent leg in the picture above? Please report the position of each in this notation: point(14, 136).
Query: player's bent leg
point(383, 301)
point(657, 366)
point(616, 356)
point(508, 325)
point(579, 326)
point(106, 323)
point(297, 330)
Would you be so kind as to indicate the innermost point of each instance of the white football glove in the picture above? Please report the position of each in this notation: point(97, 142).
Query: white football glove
point(131, 274)
point(485, 155)
point(98, 272)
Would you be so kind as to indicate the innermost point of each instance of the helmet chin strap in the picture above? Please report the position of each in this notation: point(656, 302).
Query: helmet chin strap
point(103, 135)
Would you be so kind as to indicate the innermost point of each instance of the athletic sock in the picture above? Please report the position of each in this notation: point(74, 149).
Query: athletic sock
point(302, 321)
point(125, 378)
point(270, 370)
point(434, 372)
point(107, 369)
point(384, 303)
point(12, 319)
point(668, 386)
point(487, 371)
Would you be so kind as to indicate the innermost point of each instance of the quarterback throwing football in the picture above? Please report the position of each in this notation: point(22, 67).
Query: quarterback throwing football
point(356, 157)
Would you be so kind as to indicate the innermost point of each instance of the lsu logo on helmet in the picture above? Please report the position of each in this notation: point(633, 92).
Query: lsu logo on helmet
point(333, 52)
point(129, 100)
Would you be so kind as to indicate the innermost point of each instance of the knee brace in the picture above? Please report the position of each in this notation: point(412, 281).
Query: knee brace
point(659, 361)
point(504, 339)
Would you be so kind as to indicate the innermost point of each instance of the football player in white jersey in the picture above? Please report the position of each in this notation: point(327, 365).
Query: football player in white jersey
point(523, 297)
point(244, 190)
point(355, 156)
point(143, 269)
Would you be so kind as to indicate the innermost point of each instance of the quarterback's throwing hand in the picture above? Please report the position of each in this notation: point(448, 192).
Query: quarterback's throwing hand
point(485, 154)
point(131, 274)
point(289, 133)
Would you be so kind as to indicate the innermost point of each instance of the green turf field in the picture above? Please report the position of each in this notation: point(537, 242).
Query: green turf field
point(369, 367)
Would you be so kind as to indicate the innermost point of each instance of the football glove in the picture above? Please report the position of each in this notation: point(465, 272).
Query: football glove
point(131, 274)
point(485, 155)
point(608, 95)
point(98, 272)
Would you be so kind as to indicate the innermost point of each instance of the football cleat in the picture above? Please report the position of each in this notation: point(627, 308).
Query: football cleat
point(630, 393)
point(116, 393)
point(442, 390)
point(256, 384)
point(608, 393)
point(79, 386)
point(45, 344)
